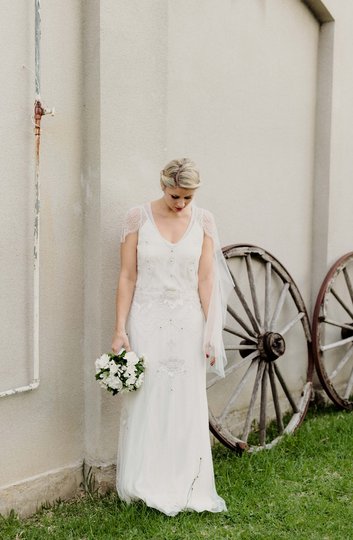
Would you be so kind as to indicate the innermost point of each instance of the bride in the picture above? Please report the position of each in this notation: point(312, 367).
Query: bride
point(170, 307)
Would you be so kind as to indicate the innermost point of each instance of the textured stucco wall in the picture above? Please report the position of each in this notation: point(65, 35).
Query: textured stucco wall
point(241, 101)
point(17, 170)
point(341, 174)
point(41, 430)
point(128, 85)
point(209, 81)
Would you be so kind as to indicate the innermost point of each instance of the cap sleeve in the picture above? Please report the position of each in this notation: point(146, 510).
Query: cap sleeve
point(132, 222)
point(209, 226)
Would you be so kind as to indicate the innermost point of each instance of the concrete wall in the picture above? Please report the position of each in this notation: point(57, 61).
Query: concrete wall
point(41, 430)
point(340, 217)
point(232, 84)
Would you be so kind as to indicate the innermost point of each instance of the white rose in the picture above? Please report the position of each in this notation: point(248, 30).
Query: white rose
point(131, 358)
point(139, 381)
point(131, 380)
point(102, 362)
point(114, 368)
point(115, 383)
point(130, 370)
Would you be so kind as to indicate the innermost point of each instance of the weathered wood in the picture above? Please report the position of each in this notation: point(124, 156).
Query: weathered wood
point(279, 305)
point(288, 326)
point(285, 388)
point(326, 305)
point(240, 321)
point(239, 334)
point(237, 391)
point(247, 424)
point(253, 289)
point(343, 304)
point(268, 283)
point(246, 317)
point(245, 305)
point(349, 387)
point(263, 404)
point(275, 399)
point(232, 368)
point(336, 323)
point(242, 348)
point(348, 282)
point(342, 362)
point(336, 344)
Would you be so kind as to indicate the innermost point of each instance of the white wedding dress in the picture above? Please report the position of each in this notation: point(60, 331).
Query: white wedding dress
point(164, 455)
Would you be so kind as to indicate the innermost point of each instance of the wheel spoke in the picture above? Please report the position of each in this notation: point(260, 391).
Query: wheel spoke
point(336, 323)
point(279, 305)
point(339, 343)
point(348, 391)
point(275, 399)
point(245, 305)
point(348, 282)
point(291, 323)
point(237, 391)
point(342, 362)
point(343, 304)
point(247, 425)
point(285, 389)
point(268, 277)
point(240, 321)
point(253, 289)
point(239, 334)
point(263, 407)
point(232, 368)
point(242, 348)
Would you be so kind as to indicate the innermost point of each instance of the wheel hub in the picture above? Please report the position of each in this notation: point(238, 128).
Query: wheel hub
point(271, 346)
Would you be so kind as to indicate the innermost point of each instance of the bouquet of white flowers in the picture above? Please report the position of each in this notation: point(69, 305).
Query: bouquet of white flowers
point(122, 372)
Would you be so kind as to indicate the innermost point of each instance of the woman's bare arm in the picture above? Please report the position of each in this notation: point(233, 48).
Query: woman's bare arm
point(205, 276)
point(125, 290)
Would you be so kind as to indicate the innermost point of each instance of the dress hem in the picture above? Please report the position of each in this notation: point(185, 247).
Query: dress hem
point(171, 513)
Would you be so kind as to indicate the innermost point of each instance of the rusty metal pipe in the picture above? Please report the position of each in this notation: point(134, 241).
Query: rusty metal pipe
point(39, 111)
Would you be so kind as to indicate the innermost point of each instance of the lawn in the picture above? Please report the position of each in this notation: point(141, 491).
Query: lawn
point(301, 489)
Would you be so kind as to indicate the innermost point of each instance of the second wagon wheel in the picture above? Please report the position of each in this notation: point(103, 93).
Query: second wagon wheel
point(268, 382)
point(333, 332)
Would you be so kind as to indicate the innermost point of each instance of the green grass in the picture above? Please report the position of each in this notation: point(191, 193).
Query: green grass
point(301, 489)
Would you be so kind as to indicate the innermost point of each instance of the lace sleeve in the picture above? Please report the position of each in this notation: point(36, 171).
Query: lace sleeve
point(132, 222)
point(209, 225)
point(221, 288)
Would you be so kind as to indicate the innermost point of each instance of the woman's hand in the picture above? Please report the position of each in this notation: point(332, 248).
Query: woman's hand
point(212, 359)
point(120, 341)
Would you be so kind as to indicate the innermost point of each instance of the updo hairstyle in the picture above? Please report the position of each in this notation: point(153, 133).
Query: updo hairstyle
point(180, 173)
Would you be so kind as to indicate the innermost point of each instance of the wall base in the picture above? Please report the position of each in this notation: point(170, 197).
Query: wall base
point(99, 478)
point(27, 497)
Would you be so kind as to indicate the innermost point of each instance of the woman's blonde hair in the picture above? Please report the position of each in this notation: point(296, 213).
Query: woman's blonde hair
point(181, 173)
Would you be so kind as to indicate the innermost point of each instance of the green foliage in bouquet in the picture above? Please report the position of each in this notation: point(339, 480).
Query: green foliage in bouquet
point(119, 373)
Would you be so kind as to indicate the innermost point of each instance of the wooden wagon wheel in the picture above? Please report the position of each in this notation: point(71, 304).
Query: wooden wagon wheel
point(268, 384)
point(333, 332)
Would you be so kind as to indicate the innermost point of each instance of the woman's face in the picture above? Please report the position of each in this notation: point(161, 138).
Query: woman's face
point(177, 199)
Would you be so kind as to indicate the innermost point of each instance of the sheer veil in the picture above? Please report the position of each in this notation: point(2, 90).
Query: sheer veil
point(221, 288)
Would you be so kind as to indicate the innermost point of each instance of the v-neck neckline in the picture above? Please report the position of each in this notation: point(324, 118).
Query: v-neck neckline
point(150, 214)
